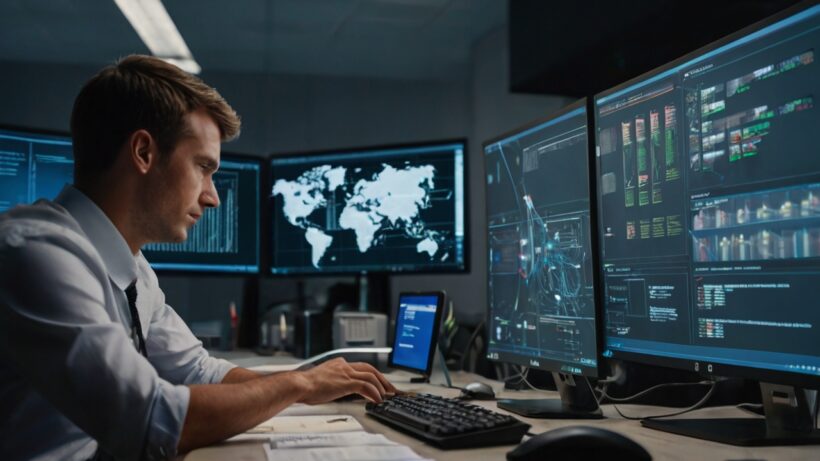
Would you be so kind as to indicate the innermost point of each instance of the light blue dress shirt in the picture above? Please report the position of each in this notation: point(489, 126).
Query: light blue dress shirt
point(70, 374)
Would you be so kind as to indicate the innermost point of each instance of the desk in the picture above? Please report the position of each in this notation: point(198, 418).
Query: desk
point(661, 445)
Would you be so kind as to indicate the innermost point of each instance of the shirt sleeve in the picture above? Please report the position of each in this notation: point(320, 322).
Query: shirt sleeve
point(56, 333)
point(175, 352)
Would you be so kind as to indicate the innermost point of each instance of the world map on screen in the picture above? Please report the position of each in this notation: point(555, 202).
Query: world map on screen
point(388, 201)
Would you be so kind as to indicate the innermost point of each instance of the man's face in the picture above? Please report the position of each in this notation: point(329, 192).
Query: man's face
point(182, 185)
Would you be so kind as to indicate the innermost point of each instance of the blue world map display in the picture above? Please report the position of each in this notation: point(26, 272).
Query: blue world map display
point(372, 204)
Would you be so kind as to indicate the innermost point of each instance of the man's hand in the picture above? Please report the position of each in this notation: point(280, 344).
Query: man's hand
point(218, 411)
point(337, 378)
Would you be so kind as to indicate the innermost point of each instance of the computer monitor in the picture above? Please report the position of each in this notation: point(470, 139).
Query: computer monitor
point(33, 165)
point(709, 184)
point(416, 336)
point(37, 164)
point(226, 238)
point(384, 210)
point(542, 305)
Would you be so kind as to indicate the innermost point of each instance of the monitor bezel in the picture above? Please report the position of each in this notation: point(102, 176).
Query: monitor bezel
point(440, 300)
point(268, 255)
point(259, 210)
point(705, 368)
point(546, 364)
point(39, 131)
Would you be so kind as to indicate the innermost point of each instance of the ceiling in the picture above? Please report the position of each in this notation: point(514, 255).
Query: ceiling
point(405, 39)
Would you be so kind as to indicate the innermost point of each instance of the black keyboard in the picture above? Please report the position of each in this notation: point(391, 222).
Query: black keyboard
point(448, 423)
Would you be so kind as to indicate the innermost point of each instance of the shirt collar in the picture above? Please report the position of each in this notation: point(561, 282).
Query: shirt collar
point(121, 264)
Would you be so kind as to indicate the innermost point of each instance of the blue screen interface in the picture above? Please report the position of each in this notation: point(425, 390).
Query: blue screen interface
point(709, 193)
point(226, 239)
point(32, 166)
point(414, 330)
point(540, 290)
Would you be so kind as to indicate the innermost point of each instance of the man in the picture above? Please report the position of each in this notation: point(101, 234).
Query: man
point(93, 363)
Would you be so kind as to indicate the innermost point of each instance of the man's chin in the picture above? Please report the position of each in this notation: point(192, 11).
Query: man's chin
point(177, 237)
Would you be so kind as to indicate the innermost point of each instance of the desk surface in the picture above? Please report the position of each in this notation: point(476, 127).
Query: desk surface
point(661, 445)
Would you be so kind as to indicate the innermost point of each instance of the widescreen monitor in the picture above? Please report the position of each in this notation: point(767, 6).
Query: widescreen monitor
point(709, 182)
point(37, 165)
point(33, 165)
point(542, 306)
point(373, 210)
point(226, 238)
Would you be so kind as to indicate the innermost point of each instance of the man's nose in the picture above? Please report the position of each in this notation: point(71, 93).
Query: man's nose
point(210, 197)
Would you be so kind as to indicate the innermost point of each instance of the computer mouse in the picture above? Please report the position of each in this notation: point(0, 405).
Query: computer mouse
point(578, 442)
point(477, 391)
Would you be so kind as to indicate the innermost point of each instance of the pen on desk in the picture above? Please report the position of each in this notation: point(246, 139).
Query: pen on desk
point(337, 420)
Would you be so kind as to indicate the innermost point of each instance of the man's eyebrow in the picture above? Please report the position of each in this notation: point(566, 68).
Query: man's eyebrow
point(212, 164)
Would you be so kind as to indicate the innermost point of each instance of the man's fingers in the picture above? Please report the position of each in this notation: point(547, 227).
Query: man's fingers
point(369, 392)
point(338, 375)
point(371, 379)
point(366, 367)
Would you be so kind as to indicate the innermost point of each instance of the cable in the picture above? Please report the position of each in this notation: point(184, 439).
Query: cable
point(676, 413)
point(523, 373)
point(816, 415)
point(653, 388)
point(614, 378)
point(473, 336)
point(602, 390)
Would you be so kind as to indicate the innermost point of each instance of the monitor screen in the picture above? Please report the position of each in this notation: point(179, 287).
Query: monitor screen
point(541, 286)
point(33, 166)
point(392, 209)
point(226, 238)
point(417, 322)
point(709, 190)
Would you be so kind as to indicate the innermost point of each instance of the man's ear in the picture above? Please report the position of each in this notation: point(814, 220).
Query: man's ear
point(142, 150)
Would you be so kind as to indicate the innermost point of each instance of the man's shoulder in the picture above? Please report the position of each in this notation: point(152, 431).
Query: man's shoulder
point(42, 220)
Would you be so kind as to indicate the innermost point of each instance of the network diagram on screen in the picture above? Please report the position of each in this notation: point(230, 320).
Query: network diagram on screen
point(542, 308)
point(368, 210)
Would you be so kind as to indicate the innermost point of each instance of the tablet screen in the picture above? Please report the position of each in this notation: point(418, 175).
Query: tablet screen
point(416, 330)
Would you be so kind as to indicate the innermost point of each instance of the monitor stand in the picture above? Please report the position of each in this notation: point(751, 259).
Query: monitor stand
point(577, 401)
point(439, 374)
point(790, 420)
point(373, 292)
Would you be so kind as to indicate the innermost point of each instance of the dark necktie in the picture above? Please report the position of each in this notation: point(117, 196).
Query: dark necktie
point(136, 327)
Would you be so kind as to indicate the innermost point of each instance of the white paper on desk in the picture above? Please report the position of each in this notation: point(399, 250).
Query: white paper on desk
point(257, 437)
point(335, 439)
point(308, 423)
point(361, 453)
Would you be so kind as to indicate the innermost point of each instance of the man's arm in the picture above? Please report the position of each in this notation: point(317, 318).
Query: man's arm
point(240, 375)
point(219, 411)
point(55, 332)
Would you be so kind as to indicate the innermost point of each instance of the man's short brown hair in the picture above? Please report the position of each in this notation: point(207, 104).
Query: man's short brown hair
point(139, 92)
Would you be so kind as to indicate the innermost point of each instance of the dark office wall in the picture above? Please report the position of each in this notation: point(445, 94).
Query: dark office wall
point(286, 113)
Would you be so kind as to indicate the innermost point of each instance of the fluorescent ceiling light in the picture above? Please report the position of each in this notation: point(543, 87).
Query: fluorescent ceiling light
point(159, 33)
